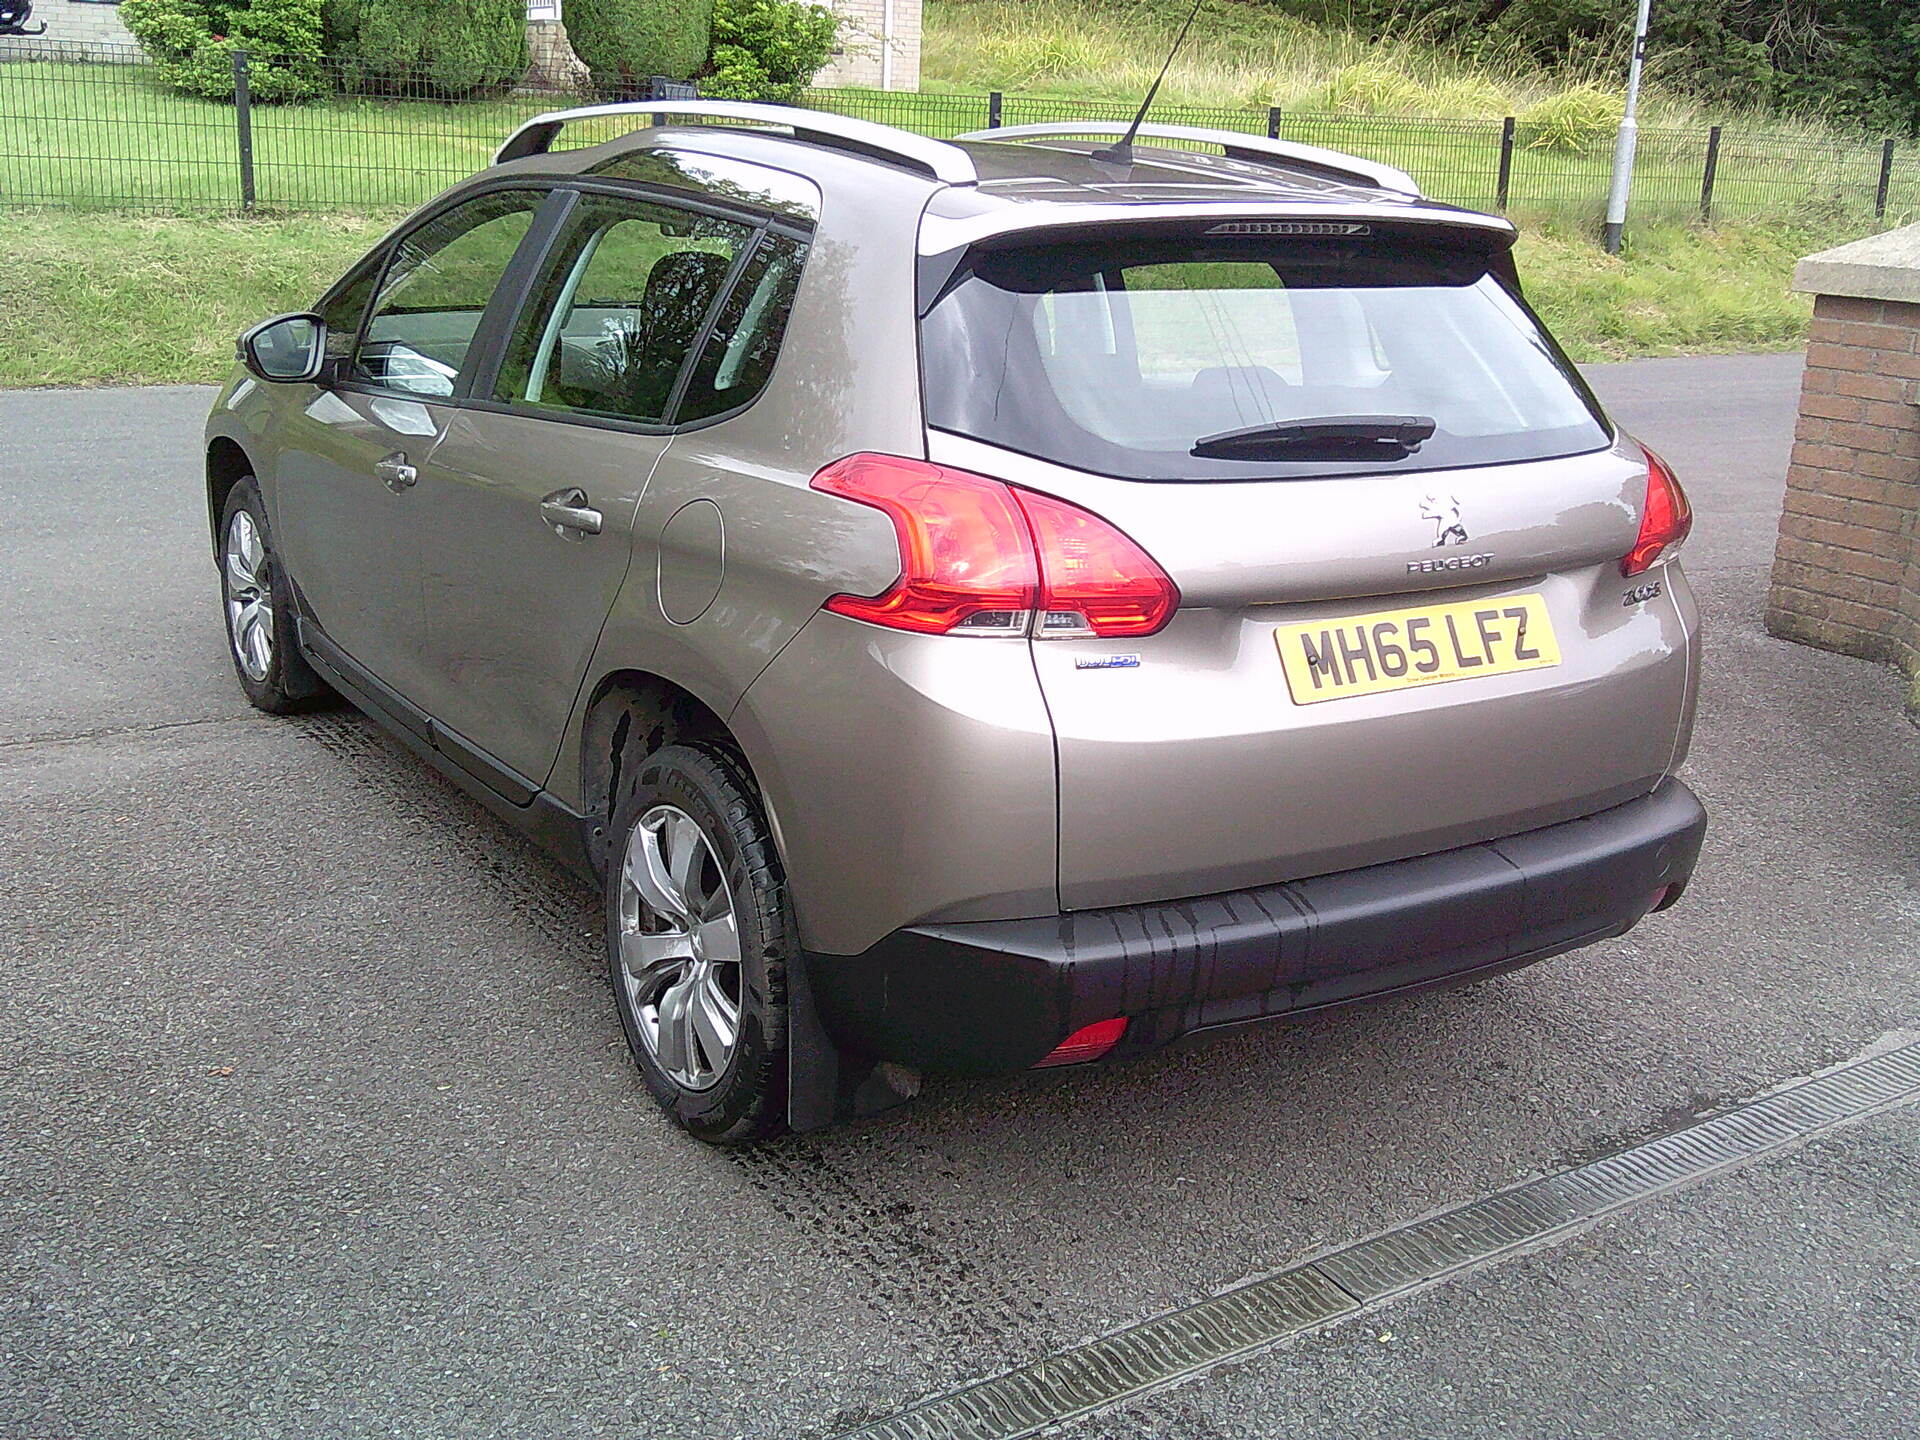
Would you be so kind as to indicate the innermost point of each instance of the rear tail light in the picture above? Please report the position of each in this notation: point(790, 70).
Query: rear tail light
point(1093, 579)
point(966, 556)
point(1087, 1043)
point(979, 557)
point(1663, 524)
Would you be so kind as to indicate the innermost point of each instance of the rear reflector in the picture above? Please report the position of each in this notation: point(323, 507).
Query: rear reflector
point(1663, 524)
point(1088, 1043)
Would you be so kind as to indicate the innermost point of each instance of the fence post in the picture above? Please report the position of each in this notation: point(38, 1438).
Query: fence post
point(994, 103)
point(1706, 176)
point(1886, 180)
point(1273, 122)
point(1505, 186)
point(243, 127)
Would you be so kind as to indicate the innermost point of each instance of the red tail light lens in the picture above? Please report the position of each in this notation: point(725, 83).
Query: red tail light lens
point(979, 557)
point(966, 557)
point(1087, 1043)
point(1093, 579)
point(1663, 524)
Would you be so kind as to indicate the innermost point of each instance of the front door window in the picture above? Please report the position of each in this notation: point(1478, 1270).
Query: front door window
point(435, 290)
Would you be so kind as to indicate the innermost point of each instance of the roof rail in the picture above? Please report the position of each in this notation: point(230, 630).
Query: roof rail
point(1253, 149)
point(944, 162)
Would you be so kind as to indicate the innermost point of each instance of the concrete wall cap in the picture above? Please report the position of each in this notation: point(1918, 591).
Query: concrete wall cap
point(1880, 267)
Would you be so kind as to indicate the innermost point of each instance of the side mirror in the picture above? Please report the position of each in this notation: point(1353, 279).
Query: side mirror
point(285, 348)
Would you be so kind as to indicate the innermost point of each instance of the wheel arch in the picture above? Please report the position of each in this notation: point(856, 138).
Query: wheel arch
point(822, 1085)
point(631, 713)
point(227, 465)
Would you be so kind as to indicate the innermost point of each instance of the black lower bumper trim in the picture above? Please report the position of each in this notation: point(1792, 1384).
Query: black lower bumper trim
point(990, 996)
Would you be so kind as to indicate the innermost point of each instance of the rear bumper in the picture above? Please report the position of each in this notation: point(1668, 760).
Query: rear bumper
point(992, 996)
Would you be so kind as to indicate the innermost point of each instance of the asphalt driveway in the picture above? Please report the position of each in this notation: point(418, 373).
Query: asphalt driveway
point(315, 1118)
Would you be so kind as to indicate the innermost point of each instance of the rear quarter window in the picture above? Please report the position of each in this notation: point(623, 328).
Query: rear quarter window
point(737, 360)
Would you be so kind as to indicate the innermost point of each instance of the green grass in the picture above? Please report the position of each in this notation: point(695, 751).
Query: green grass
point(103, 298)
point(1774, 178)
point(115, 136)
point(1678, 290)
point(110, 299)
point(93, 295)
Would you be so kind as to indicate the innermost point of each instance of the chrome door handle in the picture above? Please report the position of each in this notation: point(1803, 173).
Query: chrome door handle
point(568, 510)
point(394, 472)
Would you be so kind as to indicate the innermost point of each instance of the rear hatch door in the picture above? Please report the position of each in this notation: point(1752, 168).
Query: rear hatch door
point(1385, 646)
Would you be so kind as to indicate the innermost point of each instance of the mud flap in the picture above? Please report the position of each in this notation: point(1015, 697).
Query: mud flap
point(825, 1084)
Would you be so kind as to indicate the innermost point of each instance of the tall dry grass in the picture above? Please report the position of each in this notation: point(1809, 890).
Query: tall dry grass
point(1244, 55)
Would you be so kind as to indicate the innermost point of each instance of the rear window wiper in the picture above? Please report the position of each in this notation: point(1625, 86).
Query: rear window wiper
point(1327, 437)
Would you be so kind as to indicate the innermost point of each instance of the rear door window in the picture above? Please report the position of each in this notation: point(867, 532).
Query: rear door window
point(1124, 358)
point(626, 295)
point(435, 290)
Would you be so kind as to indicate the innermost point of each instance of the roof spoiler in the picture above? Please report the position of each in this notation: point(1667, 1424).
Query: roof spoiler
point(1250, 149)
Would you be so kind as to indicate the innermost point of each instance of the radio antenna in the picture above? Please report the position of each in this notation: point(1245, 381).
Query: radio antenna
point(1121, 151)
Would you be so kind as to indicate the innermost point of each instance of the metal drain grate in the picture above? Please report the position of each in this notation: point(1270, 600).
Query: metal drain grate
point(1184, 1342)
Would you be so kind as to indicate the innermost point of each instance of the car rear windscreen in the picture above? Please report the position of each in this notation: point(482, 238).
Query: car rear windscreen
point(1126, 357)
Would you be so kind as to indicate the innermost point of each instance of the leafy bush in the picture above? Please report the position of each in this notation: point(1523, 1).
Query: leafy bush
point(1573, 122)
point(627, 42)
point(452, 49)
point(191, 43)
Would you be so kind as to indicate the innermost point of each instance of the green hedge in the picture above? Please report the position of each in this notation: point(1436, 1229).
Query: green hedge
point(767, 49)
point(626, 42)
point(191, 43)
point(446, 48)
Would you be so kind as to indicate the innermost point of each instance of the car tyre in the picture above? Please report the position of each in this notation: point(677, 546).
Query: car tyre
point(699, 935)
point(257, 603)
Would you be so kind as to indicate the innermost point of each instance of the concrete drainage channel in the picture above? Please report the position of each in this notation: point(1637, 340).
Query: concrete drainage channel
point(1183, 1343)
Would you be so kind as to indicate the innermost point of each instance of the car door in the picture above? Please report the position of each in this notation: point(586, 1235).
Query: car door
point(347, 501)
point(536, 482)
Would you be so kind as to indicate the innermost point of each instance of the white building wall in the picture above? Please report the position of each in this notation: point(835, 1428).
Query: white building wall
point(77, 22)
point(879, 45)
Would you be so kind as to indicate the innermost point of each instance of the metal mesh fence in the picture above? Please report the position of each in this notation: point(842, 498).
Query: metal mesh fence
point(101, 126)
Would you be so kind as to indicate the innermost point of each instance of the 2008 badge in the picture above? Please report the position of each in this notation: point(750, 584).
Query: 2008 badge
point(1640, 594)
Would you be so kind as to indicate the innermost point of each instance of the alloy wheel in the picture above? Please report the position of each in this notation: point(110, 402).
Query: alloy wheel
point(680, 948)
point(249, 595)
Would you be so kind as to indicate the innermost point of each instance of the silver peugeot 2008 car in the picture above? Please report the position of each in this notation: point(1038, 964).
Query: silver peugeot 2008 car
point(976, 605)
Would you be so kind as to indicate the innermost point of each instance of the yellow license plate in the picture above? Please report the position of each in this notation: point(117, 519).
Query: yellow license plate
point(1399, 649)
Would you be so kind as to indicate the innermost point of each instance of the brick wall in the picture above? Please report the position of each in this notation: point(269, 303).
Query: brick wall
point(876, 50)
point(1846, 573)
point(81, 23)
